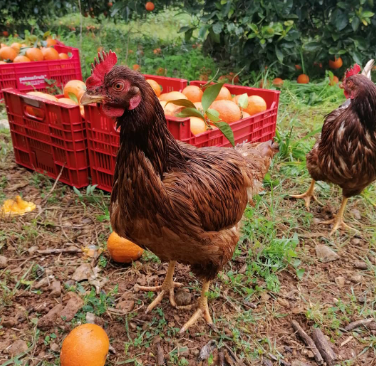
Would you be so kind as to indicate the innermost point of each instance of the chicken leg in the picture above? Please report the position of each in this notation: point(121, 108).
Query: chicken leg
point(167, 286)
point(337, 221)
point(203, 309)
point(308, 195)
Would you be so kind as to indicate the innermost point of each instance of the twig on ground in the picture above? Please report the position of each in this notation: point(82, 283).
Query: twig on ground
point(57, 251)
point(323, 346)
point(358, 324)
point(308, 341)
point(53, 187)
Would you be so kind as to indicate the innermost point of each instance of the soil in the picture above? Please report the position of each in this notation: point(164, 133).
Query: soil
point(252, 330)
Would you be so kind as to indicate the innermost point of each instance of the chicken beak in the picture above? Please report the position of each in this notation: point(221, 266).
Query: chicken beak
point(88, 99)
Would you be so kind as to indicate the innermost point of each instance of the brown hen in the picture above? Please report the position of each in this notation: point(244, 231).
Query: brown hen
point(182, 203)
point(345, 153)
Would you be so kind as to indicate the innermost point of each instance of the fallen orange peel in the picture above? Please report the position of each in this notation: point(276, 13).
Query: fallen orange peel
point(17, 206)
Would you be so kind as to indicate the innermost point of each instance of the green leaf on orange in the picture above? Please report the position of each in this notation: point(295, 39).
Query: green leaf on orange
point(243, 101)
point(210, 93)
point(226, 130)
point(191, 112)
point(182, 102)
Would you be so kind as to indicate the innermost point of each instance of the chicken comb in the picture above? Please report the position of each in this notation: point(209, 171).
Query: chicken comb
point(353, 71)
point(100, 67)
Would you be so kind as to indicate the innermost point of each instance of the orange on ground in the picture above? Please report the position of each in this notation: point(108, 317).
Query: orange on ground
point(8, 53)
point(85, 345)
point(193, 93)
point(256, 105)
point(67, 101)
point(197, 125)
point(122, 250)
point(333, 81)
point(34, 54)
point(174, 95)
point(303, 79)
point(16, 46)
point(21, 59)
point(149, 6)
point(336, 64)
point(227, 109)
point(155, 86)
point(136, 67)
point(43, 95)
point(278, 82)
point(50, 54)
point(224, 94)
point(51, 42)
point(77, 87)
point(63, 56)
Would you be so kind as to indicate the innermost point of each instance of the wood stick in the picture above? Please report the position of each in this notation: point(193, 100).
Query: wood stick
point(308, 341)
point(323, 346)
point(358, 324)
point(57, 251)
point(160, 355)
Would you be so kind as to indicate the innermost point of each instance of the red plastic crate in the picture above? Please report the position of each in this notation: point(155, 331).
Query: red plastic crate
point(56, 138)
point(19, 75)
point(103, 139)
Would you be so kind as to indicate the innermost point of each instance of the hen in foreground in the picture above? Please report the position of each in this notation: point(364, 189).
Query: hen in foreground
point(182, 203)
point(345, 153)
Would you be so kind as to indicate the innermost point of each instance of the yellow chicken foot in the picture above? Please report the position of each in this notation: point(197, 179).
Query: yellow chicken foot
point(337, 221)
point(308, 195)
point(203, 309)
point(167, 286)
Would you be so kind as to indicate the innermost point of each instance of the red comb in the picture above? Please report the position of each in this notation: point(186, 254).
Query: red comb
point(106, 61)
point(353, 71)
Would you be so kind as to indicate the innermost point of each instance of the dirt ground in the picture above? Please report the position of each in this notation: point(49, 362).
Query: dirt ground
point(254, 323)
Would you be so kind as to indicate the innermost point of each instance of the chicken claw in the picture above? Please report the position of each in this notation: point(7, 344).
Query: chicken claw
point(167, 286)
point(308, 195)
point(203, 309)
point(337, 221)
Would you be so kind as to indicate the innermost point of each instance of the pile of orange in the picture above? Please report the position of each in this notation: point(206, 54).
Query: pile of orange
point(73, 92)
point(225, 104)
point(21, 52)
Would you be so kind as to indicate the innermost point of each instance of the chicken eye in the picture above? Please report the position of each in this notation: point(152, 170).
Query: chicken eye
point(118, 86)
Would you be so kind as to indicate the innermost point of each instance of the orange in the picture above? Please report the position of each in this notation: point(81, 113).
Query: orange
point(197, 125)
point(2, 63)
point(157, 51)
point(85, 345)
point(174, 95)
point(43, 95)
point(21, 59)
point(67, 101)
point(63, 56)
point(122, 250)
point(303, 79)
point(298, 67)
point(51, 42)
point(278, 82)
point(155, 86)
point(246, 115)
point(333, 81)
point(16, 46)
point(50, 54)
point(99, 49)
point(170, 109)
point(5, 34)
point(8, 53)
point(193, 93)
point(77, 87)
point(227, 109)
point(136, 67)
point(149, 6)
point(224, 94)
point(3, 45)
point(256, 105)
point(336, 64)
point(264, 85)
point(34, 54)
